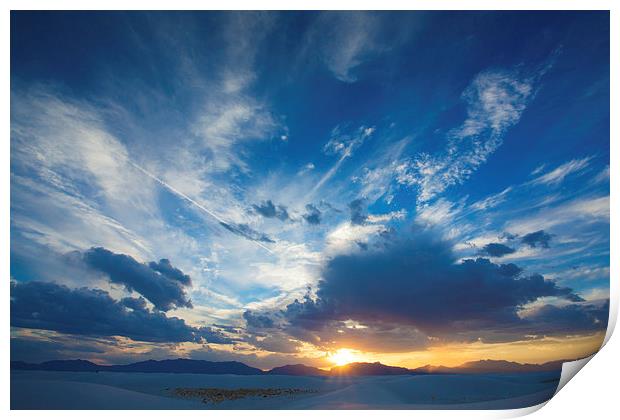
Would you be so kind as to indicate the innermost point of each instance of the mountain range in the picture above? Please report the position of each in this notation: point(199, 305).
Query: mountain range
point(238, 368)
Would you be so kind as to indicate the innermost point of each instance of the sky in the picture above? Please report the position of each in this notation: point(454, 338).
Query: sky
point(309, 187)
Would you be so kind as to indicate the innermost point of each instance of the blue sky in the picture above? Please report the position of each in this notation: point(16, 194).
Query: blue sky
point(224, 176)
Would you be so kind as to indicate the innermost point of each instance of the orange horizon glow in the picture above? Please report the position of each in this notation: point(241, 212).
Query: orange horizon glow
point(536, 351)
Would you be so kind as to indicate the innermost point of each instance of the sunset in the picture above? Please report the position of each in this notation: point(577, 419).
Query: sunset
point(343, 357)
point(348, 196)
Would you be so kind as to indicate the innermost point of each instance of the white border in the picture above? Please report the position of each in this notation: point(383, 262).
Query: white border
point(612, 5)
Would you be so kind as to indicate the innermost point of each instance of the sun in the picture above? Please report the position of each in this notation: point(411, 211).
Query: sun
point(342, 357)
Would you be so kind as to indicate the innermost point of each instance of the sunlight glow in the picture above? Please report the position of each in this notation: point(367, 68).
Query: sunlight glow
point(342, 357)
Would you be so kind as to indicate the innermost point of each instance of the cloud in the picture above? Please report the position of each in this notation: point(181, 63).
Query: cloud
point(276, 342)
point(94, 312)
point(495, 101)
point(585, 272)
point(66, 143)
point(538, 238)
point(306, 168)
point(568, 319)
point(441, 211)
point(492, 200)
point(230, 121)
point(538, 169)
point(165, 268)
point(603, 175)
point(393, 215)
point(312, 215)
point(416, 281)
point(270, 210)
point(357, 209)
point(343, 145)
point(257, 320)
point(378, 180)
point(230, 117)
point(161, 283)
point(347, 237)
point(497, 250)
point(347, 39)
point(65, 168)
point(246, 231)
point(579, 213)
point(557, 175)
point(35, 350)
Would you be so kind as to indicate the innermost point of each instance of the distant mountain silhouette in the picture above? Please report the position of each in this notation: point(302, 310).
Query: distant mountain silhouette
point(188, 366)
point(368, 369)
point(298, 370)
point(148, 366)
point(238, 368)
point(492, 366)
point(58, 365)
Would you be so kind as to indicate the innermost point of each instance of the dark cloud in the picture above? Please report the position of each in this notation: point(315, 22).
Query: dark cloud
point(569, 319)
point(276, 342)
point(137, 304)
point(538, 238)
point(327, 206)
point(497, 250)
point(312, 215)
point(257, 320)
point(375, 336)
point(272, 340)
point(357, 208)
point(270, 210)
point(164, 267)
point(247, 232)
point(161, 283)
point(228, 328)
point(417, 282)
point(36, 350)
point(93, 312)
point(509, 236)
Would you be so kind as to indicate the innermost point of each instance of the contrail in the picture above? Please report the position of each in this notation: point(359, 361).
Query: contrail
point(195, 203)
point(327, 176)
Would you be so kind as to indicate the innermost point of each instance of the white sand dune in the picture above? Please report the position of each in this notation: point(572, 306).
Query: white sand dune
point(67, 395)
point(107, 390)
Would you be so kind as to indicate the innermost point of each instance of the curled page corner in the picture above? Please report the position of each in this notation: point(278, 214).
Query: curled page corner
point(570, 369)
point(611, 324)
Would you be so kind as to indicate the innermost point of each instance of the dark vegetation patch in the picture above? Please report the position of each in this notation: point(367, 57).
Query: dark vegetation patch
point(218, 395)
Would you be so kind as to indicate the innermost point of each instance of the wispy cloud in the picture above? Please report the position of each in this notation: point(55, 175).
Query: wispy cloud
point(227, 122)
point(557, 175)
point(578, 212)
point(495, 102)
point(603, 175)
point(350, 38)
point(343, 145)
point(492, 200)
point(439, 212)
